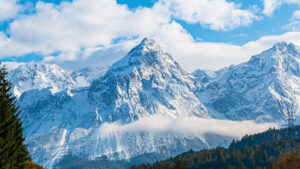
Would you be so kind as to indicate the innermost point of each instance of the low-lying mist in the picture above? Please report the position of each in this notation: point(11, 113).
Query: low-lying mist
point(191, 125)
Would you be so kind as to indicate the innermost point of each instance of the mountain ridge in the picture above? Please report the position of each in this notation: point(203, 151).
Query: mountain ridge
point(135, 81)
point(267, 82)
point(77, 121)
point(148, 82)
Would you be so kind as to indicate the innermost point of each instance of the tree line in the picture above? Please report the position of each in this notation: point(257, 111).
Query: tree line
point(267, 150)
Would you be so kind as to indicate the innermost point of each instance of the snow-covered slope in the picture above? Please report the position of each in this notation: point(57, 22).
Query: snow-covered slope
point(80, 118)
point(266, 88)
point(30, 76)
point(145, 82)
point(10, 66)
point(84, 77)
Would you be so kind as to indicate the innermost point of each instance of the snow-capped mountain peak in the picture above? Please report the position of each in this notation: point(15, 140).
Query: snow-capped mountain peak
point(149, 43)
point(264, 88)
point(285, 47)
point(146, 45)
point(147, 55)
point(282, 56)
point(146, 81)
point(10, 66)
point(282, 49)
point(39, 76)
point(150, 49)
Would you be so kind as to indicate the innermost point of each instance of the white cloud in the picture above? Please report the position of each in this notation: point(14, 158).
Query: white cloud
point(266, 42)
point(204, 55)
point(83, 31)
point(190, 54)
point(296, 15)
point(195, 55)
point(271, 5)
point(187, 125)
point(72, 26)
point(92, 57)
point(294, 24)
point(8, 9)
point(216, 14)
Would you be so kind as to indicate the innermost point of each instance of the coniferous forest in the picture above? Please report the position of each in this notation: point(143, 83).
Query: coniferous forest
point(274, 149)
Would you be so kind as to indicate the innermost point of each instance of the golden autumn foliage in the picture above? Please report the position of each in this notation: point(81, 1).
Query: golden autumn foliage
point(31, 165)
point(288, 161)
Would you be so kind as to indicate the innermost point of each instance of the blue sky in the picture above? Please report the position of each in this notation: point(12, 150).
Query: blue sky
point(198, 33)
point(241, 35)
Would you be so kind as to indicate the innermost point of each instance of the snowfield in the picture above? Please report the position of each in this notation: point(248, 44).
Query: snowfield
point(146, 103)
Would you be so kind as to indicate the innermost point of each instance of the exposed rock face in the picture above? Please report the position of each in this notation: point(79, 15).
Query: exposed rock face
point(266, 88)
point(25, 77)
point(146, 82)
point(80, 113)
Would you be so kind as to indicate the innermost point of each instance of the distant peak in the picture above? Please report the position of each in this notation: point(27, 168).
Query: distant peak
point(146, 45)
point(284, 46)
point(148, 39)
point(149, 42)
point(147, 53)
point(280, 44)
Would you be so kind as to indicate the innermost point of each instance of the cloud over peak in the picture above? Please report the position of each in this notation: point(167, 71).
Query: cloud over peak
point(86, 30)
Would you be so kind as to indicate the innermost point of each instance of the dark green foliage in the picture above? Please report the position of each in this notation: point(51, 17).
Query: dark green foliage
point(252, 152)
point(13, 152)
point(179, 164)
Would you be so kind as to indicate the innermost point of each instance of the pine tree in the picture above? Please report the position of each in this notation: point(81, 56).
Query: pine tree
point(179, 164)
point(13, 152)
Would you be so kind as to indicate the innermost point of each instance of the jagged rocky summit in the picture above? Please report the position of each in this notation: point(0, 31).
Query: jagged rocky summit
point(82, 113)
point(77, 121)
point(266, 88)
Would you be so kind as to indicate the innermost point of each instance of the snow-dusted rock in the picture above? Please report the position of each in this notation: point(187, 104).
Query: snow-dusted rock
point(25, 77)
point(146, 82)
point(75, 114)
point(266, 88)
point(84, 77)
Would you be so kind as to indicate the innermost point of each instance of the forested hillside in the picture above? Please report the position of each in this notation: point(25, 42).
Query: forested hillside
point(257, 151)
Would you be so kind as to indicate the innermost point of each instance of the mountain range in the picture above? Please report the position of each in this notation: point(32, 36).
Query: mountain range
point(94, 112)
point(266, 88)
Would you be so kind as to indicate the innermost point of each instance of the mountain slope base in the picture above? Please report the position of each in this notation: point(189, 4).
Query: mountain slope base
point(252, 152)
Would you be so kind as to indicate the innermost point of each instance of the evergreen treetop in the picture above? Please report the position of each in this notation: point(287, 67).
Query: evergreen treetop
point(13, 152)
